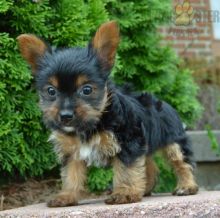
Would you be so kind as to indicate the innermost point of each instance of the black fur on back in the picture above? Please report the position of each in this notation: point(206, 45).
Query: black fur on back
point(143, 124)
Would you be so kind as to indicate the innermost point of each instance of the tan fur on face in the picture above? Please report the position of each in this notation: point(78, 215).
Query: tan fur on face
point(81, 79)
point(31, 48)
point(87, 112)
point(151, 174)
point(49, 113)
point(83, 110)
point(186, 182)
point(54, 81)
point(105, 101)
point(129, 182)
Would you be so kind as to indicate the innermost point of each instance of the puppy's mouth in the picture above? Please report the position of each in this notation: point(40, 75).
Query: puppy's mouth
point(68, 129)
point(67, 126)
point(75, 125)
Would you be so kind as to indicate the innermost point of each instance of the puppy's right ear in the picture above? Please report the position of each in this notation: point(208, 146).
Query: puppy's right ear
point(105, 43)
point(31, 48)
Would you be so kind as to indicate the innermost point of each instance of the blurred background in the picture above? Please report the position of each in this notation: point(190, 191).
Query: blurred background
point(169, 48)
point(195, 37)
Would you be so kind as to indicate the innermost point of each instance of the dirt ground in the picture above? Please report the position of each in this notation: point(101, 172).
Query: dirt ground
point(33, 192)
point(29, 192)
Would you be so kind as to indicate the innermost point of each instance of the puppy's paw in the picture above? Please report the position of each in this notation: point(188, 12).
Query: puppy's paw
point(191, 190)
point(123, 199)
point(147, 194)
point(62, 200)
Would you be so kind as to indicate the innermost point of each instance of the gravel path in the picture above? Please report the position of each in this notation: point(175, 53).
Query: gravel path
point(204, 204)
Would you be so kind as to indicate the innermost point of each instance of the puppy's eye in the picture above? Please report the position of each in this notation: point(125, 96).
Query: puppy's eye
point(87, 90)
point(51, 91)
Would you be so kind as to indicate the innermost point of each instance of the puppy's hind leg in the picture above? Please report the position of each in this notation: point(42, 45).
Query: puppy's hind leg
point(151, 174)
point(186, 184)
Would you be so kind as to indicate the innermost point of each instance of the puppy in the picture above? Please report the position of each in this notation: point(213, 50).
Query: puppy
point(95, 123)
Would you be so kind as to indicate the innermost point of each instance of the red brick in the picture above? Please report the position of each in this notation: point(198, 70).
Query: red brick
point(193, 3)
point(194, 31)
point(169, 38)
point(200, 8)
point(187, 54)
point(206, 2)
point(161, 30)
point(202, 24)
point(204, 53)
point(199, 31)
point(182, 45)
point(216, 48)
point(182, 37)
point(206, 38)
point(187, 38)
point(196, 1)
point(198, 45)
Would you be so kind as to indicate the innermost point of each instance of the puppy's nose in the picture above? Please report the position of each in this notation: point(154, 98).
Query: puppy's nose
point(66, 115)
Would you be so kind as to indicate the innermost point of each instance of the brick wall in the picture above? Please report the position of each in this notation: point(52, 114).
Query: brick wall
point(190, 31)
point(216, 48)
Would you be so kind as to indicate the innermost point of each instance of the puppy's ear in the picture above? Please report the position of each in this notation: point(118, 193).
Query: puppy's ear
point(31, 48)
point(105, 43)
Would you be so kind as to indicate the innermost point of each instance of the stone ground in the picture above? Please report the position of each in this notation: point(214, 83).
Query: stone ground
point(204, 204)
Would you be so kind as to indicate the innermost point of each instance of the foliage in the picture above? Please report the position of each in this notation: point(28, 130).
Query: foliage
point(23, 139)
point(141, 60)
point(99, 179)
point(145, 63)
point(23, 147)
point(218, 106)
point(166, 180)
point(213, 140)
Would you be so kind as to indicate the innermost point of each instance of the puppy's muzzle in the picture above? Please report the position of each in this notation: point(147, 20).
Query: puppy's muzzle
point(66, 116)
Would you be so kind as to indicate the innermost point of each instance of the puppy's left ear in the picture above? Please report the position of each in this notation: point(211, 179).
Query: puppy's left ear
point(32, 49)
point(105, 43)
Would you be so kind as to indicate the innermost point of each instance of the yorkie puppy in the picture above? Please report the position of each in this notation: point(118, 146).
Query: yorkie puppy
point(95, 123)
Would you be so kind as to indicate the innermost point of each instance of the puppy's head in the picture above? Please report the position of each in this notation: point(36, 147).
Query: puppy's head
point(72, 82)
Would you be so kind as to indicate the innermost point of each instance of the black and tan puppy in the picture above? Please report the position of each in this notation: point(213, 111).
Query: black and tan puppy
point(95, 123)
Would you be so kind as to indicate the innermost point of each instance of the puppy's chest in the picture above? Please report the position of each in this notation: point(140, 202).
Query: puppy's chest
point(92, 155)
point(98, 151)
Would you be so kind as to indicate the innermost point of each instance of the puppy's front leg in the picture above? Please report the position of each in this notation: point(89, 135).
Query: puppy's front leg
point(73, 181)
point(129, 182)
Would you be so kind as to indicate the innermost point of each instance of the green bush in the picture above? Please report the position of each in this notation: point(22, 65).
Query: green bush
point(99, 179)
point(141, 60)
point(23, 143)
point(166, 180)
point(145, 63)
point(215, 146)
point(23, 139)
point(23, 147)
